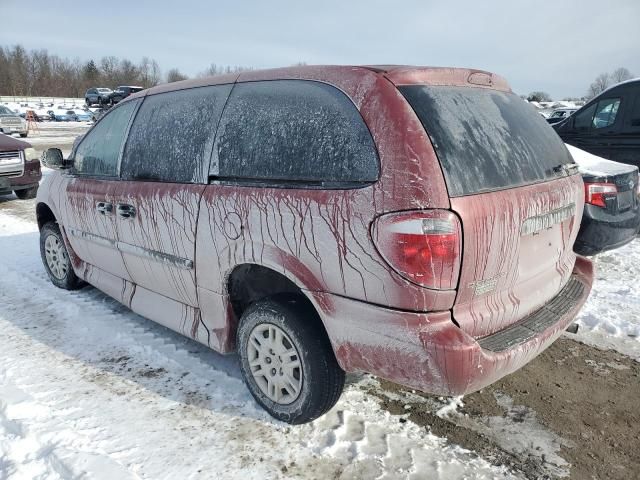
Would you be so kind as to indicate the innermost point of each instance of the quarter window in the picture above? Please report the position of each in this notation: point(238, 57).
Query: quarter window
point(99, 151)
point(293, 131)
point(172, 135)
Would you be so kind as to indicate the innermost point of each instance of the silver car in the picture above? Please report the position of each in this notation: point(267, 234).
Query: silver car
point(11, 122)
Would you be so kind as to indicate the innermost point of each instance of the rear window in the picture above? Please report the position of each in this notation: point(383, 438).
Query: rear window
point(485, 139)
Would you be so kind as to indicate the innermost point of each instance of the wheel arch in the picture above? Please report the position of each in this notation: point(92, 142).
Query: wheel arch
point(248, 283)
point(44, 214)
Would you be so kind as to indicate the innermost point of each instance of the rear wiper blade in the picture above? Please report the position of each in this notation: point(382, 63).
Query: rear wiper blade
point(568, 168)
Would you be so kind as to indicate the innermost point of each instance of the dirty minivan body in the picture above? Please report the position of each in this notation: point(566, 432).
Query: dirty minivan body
point(414, 223)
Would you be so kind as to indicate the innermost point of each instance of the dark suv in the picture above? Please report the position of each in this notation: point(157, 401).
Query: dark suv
point(121, 93)
point(97, 96)
point(19, 168)
point(319, 220)
point(609, 125)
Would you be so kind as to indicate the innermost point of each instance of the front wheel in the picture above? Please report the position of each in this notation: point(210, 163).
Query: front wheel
point(286, 359)
point(56, 259)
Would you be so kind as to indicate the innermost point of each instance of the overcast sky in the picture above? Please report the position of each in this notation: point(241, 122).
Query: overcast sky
point(556, 46)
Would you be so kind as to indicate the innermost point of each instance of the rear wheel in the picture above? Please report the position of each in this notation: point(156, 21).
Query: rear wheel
point(287, 361)
point(56, 259)
point(27, 193)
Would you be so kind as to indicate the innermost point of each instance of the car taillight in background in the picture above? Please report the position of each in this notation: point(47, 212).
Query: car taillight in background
point(422, 246)
point(596, 193)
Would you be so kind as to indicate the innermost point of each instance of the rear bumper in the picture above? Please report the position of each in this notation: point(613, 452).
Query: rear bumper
point(428, 352)
point(601, 231)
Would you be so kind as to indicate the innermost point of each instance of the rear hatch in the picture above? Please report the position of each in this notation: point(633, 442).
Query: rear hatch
point(517, 192)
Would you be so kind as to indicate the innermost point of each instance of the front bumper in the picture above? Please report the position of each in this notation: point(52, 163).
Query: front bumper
point(428, 352)
point(31, 176)
point(601, 231)
point(9, 129)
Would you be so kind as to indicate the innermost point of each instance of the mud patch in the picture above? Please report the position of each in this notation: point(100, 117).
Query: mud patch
point(574, 411)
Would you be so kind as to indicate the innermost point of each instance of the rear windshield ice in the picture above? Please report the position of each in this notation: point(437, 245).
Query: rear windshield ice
point(485, 139)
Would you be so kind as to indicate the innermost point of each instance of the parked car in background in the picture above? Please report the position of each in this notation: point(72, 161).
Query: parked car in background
point(560, 114)
point(611, 215)
point(97, 96)
point(323, 240)
point(19, 168)
point(83, 115)
point(122, 92)
point(98, 113)
point(64, 115)
point(609, 125)
point(10, 122)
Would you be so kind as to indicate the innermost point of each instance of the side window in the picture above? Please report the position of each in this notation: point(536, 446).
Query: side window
point(606, 112)
point(293, 130)
point(583, 119)
point(99, 150)
point(172, 135)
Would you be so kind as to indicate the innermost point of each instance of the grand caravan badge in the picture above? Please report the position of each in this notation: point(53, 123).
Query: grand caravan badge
point(533, 225)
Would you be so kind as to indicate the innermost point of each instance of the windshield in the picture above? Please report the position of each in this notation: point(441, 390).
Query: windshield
point(486, 139)
point(5, 111)
point(104, 90)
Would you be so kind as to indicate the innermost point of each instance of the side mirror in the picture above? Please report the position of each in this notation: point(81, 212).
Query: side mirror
point(52, 158)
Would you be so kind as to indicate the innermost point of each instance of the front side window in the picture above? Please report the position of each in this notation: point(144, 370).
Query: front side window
point(172, 135)
point(606, 112)
point(99, 150)
point(293, 131)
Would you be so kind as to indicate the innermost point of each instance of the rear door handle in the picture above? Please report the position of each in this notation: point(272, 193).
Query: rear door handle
point(126, 211)
point(104, 208)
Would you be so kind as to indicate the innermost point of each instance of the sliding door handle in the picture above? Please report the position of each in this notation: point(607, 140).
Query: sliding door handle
point(126, 211)
point(105, 208)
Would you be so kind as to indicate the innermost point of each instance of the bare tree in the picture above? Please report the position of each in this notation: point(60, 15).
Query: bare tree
point(539, 97)
point(599, 85)
point(174, 75)
point(620, 75)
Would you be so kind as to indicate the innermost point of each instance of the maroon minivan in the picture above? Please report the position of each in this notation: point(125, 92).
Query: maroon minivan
point(415, 223)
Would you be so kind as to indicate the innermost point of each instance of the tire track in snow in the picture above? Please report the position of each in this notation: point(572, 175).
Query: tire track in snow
point(124, 395)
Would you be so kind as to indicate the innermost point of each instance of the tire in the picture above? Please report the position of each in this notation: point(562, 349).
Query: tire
point(87, 102)
point(27, 193)
point(320, 378)
point(24, 135)
point(63, 277)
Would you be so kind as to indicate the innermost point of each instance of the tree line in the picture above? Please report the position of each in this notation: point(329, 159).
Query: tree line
point(599, 85)
point(38, 73)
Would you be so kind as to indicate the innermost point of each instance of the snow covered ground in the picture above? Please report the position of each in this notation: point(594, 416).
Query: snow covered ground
point(90, 390)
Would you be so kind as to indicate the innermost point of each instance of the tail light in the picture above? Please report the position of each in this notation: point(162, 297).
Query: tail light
point(422, 246)
point(596, 193)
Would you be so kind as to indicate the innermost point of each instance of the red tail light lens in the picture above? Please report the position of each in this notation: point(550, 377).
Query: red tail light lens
point(595, 193)
point(422, 246)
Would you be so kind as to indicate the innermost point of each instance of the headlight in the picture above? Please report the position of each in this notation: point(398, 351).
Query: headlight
point(24, 122)
point(30, 154)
